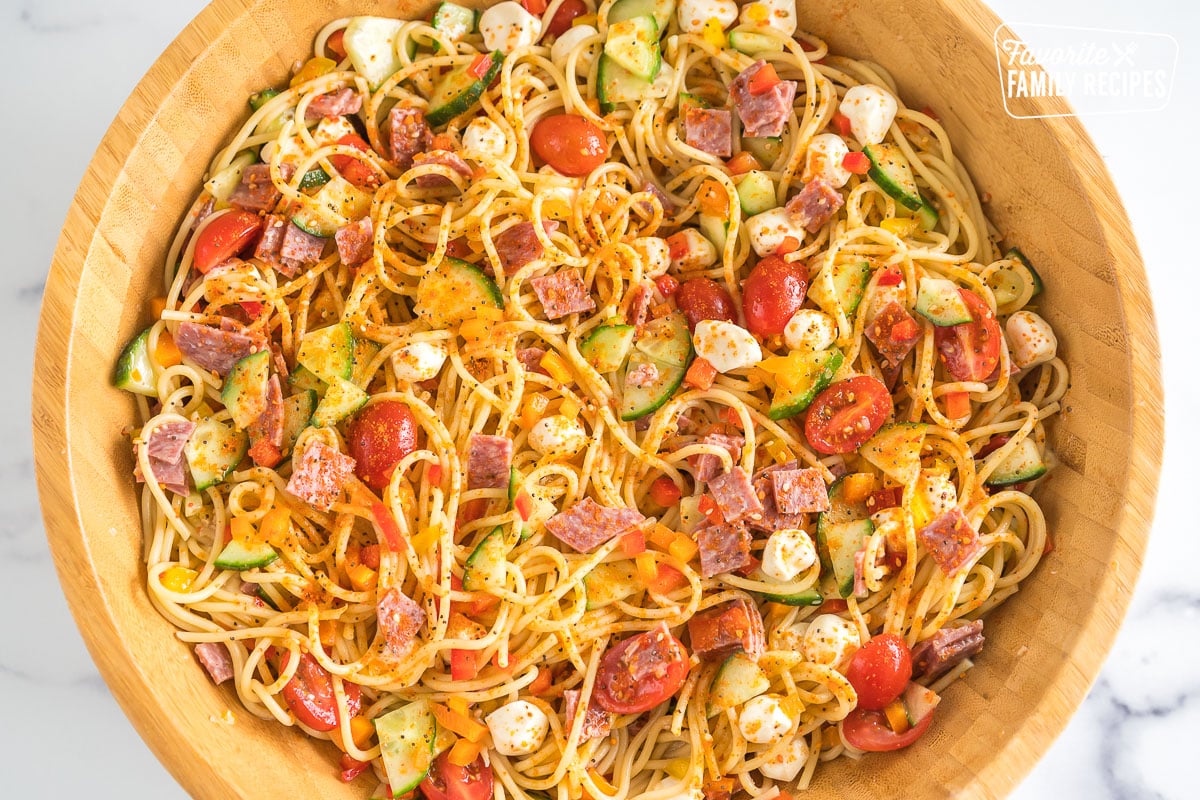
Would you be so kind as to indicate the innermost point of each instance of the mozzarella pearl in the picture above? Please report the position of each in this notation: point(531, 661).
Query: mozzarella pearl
point(507, 26)
point(786, 637)
point(788, 552)
point(763, 720)
point(483, 139)
point(938, 491)
point(694, 13)
point(810, 330)
point(517, 728)
point(824, 159)
point(571, 40)
point(698, 251)
point(777, 14)
point(558, 436)
point(726, 346)
point(768, 230)
point(655, 253)
point(1031, 340)
point(830, 640)
point(786, 764)
point(870, 110)
point(419, 361)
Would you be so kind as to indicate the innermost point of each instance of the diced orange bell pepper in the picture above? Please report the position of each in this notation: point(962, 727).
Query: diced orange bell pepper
point(857, 486)
point(166, 352)
point(647, 567)
point(157, 306)
point(742, 163)
point(668, 580)
point(362, 577)
point(897, 716)
point(553, 363)
point(313, 68)
point(533, 408)
point(464, 752)
point(178, 579)
point(700, 375)
point(958, 405)
point(633, 543)
point(542, 682)
point(276, 525)
point(461, 724)
point(712, 199)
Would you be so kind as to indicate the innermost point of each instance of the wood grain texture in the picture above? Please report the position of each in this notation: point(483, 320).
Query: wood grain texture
point(1052, 196)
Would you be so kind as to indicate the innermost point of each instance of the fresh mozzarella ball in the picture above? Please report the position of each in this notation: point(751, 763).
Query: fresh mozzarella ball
point(419, 361)
point(570, 40)
point(830, 640)
point(824, 160)
point(810, 330)
point(768, 230)
point(726, 346)
point(1031, 340)
point(698, 252)
point(890, 523)
point(558, 436)
point(763, 720)
point(507, 26)
point(787, 637)
point(870, 110)
point(788, 552)
point(887, 294)
point(786, 764)
point(517, 728)
point(938, 491)
point(483, 139)
point(694, 13)
point(777, 14)
point(656, 254)
point(330, 129)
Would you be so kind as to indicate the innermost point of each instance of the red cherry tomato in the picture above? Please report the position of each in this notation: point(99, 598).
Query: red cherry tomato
point(971, 351)
point(772, 294)
point(566, 14)
point(880, 670)
point(225, 237)
point(351, 767)
point(703, 298)
point(309, 694)
point(846, 414)
point(448, 781)
point(336, 43)
point(571, 144)
point(868, 730)
point(378, 437)
point(640, 672)
point(354, 170)
point(664, 492)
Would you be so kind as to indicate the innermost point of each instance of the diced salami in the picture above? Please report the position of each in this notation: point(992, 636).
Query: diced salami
point(300, 248)
point(214, 657)
point(710, 130)
point(814, 205)
point(707, 465)
point(270, 244)
point(946, 648)
point(894, 332)
point(266, 432)
point(164, 450)
point(763, 114)
point(203, 212)
point(444, 158)
point(587, 524)
point(772, 518)
point(399, 620)
point(334, 104)
point(638, 306)
point(799, 491)
point(211, 348)
point(596, 721)
point(519, 245)
point(355, 242)
point(668, 207)
point(408, 133)
point(562, 293)
point(722, 630)
point(642, 376)
point(257, 191)
point(488, 461)
point(734, 495)
point(950, 541)
point(723, 548)
point(319, 474)
point(531, 359)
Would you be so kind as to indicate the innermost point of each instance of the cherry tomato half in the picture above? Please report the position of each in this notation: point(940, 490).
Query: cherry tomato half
point(971, 351)
point(880, 670)
point(571, 144)
point(869, 731)
point(846, 414)
point(703, 298)
point(225, 237)
point(772, 294)
point(566, 14)
point(640, 672)
point(448, 781)
point(309, 694)
point(378, 437)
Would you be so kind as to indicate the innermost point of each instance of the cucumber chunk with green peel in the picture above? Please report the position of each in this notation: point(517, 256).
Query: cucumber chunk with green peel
point(245, 389)
point(841, 532)
point(616, 85)
point(1023, 464)
point(756, 193)
point(260, 98)
point(715, 229)
point(608, 583)
point(607, 347)
point(221, 185)
point(370, 43)
point(460, 89)
point(303, 379)
point(454, 292)
point(638, 401)
point(766, 149)
point(633, 44)
point(135, 370)
point(407, 738)
point(334, 203)
point(754, 43)
point(940, 302)
point(661, 10)
point(341, 399)
point(667, 339)
point(365, 351)
point(328, 353)
point(896, 449)
point(213, 451)
point(485, 567)
point(245, 555)
point(796, 393)
point(809, 597)
point(739, 679)
point(1015, 254)
point(297, 415)
point(892, 172)
point(842, 289)
point(314, 178)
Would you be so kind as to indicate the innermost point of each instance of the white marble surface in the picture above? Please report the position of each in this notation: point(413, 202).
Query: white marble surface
point(73, 62)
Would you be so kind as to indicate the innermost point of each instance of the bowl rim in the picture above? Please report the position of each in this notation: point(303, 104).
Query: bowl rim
point(61, 507)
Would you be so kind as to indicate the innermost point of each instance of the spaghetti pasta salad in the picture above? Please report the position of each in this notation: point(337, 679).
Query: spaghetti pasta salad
point(565, 401)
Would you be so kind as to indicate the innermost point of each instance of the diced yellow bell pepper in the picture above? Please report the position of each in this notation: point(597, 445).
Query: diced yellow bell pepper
point(459, 705)
point(464, 752)
point(661, 537)
point(327, 631)
point(313, 68)
point(647, 567)
point(362, 577)
point(179, 579)
point(779, 451)
point(475, 330)
point(533, 408)
point(900, 227)
point(683, 548)
point(602, 783)
point(275, 526)
point(490, 313)
point(553, 363)
point(713, 32)
point(426, 539)
point(584, 19)
point(361, 731)
point(678, 768)
point(157, 306)
point(569, 408)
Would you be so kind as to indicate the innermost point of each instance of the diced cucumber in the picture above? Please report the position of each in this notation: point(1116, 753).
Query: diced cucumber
point(370, 43)
point(919, 702)
point(341, 399)
point(687, 100)
point(842, 289)
point(314, 178)
point(840, 509)
point(766, 149)
point(485, 567)
point(795, 395)
point(336, 201)
point(303, 379)
point(607, 583)
point(455, 292)
point(809, 597)
point(754, 43)
point(666, 339)
point(135, 370)
point(221, 185)
point(1023, 464)
point(297, 414)
point(690, 515)
point(633, 43)
point(245, 389)
point(927, 215)
point(241, 555)
point(756, 192)
point(455, 21)
point(615, 85)
point(328, 352)
point(459, 89)
point(739, 679)
point(406, 744)
point(841, 532)
point(1015, 254)
point(715, 229)
point(364, 353)
point(213, 451)
point(940, 302)
point(896, 449)
point(638, 401)
point(607, 347)
point(260, 98)
point(891, 170)
point(661, 10)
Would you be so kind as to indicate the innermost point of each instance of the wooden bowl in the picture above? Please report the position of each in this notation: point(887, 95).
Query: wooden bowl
point(1051, 193)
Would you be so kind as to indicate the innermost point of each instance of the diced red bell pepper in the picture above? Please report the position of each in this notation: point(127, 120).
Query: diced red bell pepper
point(664, 492)
point(633, 543)
point(464, 664)
point(742, 163)
point(523, 503)
point(856, 163)
point(790, 244)
point(480, 66)
point(392, 534)
point(842, 123)
point(351, 767)
point(884, 498)
point(700, 374)
point(763, 81)
point(904, 330)
point(890, 277)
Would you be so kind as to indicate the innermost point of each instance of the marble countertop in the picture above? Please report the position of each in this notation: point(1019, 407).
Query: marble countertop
point(1130, 739)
